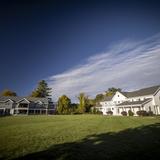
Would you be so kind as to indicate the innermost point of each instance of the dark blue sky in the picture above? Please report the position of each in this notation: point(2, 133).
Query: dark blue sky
point(39, 39)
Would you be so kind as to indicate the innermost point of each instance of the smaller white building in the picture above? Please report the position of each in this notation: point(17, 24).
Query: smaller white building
point(147, 99)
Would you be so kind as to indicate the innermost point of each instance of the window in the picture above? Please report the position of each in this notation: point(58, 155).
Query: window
point(118, 95)
point(112, 108)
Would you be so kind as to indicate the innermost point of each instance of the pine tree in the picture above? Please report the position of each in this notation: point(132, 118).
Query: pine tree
point(42, 90)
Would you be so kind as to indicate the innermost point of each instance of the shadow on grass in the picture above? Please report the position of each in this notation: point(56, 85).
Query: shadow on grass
point(137, 143)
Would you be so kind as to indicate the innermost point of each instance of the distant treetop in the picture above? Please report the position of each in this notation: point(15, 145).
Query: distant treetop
point(42, 90)
point(8, 92)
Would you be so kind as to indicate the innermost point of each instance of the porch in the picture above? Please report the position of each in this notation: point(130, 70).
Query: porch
point(34, 111)
point(134, 109)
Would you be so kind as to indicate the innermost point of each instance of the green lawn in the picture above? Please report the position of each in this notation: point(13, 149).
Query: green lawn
point(79, 137)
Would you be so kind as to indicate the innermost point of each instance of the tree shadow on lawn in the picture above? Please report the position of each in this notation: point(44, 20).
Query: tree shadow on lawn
point(133, 143)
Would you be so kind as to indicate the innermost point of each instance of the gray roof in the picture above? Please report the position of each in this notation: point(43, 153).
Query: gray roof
point(98, 105)
point(134, 102)
point(107, 98)
point(31, 99)
point(15, 99)
point(34, 99)
point(141, 92)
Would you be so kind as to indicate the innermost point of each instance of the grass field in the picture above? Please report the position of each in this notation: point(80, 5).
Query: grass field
point(79, 137)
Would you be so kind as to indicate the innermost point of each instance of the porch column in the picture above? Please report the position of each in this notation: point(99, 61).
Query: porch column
point(40, 111)
point(28, 109)
point(154, 109)
point(140, 108)
point(132, 109)
point(46, 111)
point(4, 111)
point(158, 110)
point(117, 110)
point(17, 111)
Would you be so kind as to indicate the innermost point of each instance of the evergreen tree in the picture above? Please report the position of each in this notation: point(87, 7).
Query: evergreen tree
point(112, 91)
point(98, 98)
point(42, 90)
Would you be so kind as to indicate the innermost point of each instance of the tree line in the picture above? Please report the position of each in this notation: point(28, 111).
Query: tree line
point(64, 104)
point(42, 90)
point(84, 105)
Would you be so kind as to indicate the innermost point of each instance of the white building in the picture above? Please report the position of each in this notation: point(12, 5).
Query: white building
point(147, 99)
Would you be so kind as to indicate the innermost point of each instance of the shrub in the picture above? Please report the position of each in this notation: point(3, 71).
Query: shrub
point(76, 112)
point(95, 111)
point(142, 113)
point(130, 113)
point(150, 113)
point(109, 113)
point(99, 112)
point(124, 113)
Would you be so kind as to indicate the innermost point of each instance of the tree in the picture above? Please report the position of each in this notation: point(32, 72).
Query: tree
point(99, 97)
point(7, 92)
point(112, 91)
point(42, 90)
point(73, 108)
point(83, 102)
point(90, 103)
point(64, 104)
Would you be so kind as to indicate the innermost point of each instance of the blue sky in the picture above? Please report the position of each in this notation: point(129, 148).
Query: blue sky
point(79, 45)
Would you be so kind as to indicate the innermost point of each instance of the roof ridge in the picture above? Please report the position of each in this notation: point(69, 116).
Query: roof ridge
point(142, 91)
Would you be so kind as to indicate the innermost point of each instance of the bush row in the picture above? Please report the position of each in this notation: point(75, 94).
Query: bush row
point(139, 113)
